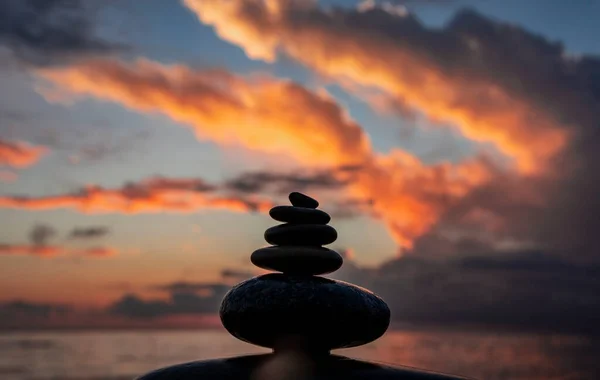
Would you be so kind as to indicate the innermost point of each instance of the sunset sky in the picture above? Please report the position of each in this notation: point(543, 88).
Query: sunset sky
point(455, 143)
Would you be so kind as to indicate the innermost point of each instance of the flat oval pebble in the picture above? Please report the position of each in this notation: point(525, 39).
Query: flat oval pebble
point(301, 200)
point(328, 314)
point(297, 260)
point(299, 215)
point(301, 234)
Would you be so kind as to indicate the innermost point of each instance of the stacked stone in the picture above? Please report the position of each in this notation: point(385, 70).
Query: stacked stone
point(296, 305)
point(298, 243)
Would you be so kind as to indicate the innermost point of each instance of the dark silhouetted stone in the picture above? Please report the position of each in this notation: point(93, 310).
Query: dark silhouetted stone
point(297, 260)
point(328, 314)
point(299, 215)
point(301, 234)
point(301, 200)
point(331, 367)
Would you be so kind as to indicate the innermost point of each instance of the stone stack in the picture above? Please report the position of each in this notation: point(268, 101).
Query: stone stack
point(298, 242)
point(297, 313)
point(297, 308)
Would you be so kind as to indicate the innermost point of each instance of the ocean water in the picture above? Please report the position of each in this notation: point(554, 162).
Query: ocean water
point(125, 354)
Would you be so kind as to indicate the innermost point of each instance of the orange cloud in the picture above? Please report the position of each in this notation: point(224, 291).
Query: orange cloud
point(260, 113)
point(410, 196)
point(34, 250)
point(53, 251)
point(265, 114)
point(19, 154)
point(98, 252)
point(396, 54)
point(152, 195)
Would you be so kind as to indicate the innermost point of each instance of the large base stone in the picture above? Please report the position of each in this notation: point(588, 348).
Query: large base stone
point(327, 314)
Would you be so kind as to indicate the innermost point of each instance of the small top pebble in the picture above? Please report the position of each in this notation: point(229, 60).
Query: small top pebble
point(301, 200)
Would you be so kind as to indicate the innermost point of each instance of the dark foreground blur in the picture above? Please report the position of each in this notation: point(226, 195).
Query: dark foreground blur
point(123, 354)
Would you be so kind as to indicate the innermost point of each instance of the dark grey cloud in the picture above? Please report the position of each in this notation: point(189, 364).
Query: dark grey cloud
point(284, 183)
point(523, 290)
point(107, 143)
point(41, 32)
point(189, 287)
point(88, 232)
point(280, 184)
point(40, 234)
point(28, 314)
point(236, 274)
point(184, 298)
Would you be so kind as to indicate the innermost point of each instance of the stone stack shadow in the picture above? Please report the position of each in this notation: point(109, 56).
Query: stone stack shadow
point(296, 308)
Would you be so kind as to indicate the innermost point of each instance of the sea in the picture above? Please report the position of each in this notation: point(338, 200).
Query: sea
point(118, 355)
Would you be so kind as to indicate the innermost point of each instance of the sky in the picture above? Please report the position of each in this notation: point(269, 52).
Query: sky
point(454, 143)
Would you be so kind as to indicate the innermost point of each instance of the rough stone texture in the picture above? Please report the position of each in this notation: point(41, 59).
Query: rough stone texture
point(301, 200)
point(251, 367)
point(297, 260)
point(301, 234)
point(299, 215)
point(328, 314)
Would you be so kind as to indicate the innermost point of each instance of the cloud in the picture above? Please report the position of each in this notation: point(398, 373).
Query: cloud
point(22, 314)
point(40, 236)
point(495, 82)
point(332, 184)
point(88, 232)
point(42, 32)
point(55, 251)
point(407, 195)
point(237, 275)
point(184, 298)
point(526, 98)
point(558, 216)
point(537, 106)
point(181, 303)
point(102, 144)
point(528, 290)
point(410, 196)
point(41, 233)
point(259, 113)
point(16, 309)
point(394, 8)
point(271, 115)
point(284, 183)
point(18, 154)
point(158, 194)
point(190, 287)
